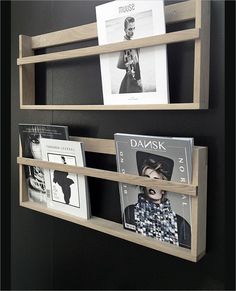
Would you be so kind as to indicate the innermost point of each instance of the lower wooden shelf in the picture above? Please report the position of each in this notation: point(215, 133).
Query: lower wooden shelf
point(117, 230)
point(197, 190)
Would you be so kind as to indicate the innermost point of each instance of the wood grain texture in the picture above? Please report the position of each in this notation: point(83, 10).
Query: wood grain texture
point(194, 206)
point(180, 11)
point(170, 106)
point(65, 36)
point(115, 229)
point(202, 54)
point(199, 206)
point(181, 188)
point(26, 73)
point(97, 145)
point(173, 13)
point(172, 37)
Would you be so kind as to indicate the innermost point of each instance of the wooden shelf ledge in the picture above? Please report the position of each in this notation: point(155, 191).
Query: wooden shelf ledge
point(116, 230)
point(181, 188)
point(170, 106)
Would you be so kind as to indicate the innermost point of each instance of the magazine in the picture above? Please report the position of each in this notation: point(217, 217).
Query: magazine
point(153, 212)
point(66, 192)
point(30, 135)
point(133, 76)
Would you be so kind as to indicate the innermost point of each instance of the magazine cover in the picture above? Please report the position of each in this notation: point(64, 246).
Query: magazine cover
point(68, 192)
point(133, 76)
point(154, 212)
point(30, 136)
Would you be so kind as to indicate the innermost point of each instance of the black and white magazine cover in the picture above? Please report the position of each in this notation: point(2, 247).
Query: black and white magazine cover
point(67, 192)
point(153, 212)
point(133, 76)
point(30, 136)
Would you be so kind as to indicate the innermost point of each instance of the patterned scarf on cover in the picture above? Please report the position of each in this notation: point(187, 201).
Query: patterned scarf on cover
point(156, 220)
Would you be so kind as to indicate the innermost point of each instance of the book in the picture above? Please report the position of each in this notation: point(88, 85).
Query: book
point(66, 192)
point(150, 211)
point(138, 75)
point(30, 136)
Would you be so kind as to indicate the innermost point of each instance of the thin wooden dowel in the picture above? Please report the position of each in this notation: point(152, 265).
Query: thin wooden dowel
point(172, 37)
point(181, 188)
point(170, 106)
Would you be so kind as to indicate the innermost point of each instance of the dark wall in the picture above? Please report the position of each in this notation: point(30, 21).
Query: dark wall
point(48, 253)
point(5, 145)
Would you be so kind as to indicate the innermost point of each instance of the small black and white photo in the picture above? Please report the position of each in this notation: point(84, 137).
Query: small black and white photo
point(64, 186)
point(67, 192)
point(133, 75)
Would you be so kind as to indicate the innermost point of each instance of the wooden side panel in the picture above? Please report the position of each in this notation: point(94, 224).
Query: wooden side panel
point(202, 202)
point(202, 54)
point(199, 204)
point(26, 73)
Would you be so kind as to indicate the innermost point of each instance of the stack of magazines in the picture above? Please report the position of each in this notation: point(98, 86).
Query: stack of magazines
point(55, 189)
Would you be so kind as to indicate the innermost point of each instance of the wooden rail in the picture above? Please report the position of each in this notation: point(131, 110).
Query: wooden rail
point(172, 37)
point(181, 188)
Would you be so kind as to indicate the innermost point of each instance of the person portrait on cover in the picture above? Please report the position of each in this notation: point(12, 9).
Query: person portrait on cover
point(129, 61)
point(152, 215)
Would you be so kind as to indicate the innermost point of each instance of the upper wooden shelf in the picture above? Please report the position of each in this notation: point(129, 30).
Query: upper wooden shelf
point(199, 10)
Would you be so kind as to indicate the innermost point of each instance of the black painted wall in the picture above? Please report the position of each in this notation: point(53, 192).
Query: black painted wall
point(5, 146)
point(48, 253)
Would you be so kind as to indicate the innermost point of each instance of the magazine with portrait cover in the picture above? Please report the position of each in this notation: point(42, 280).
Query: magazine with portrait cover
point(152, 212)
point(139, 75)
point(67, 192)
point(30, 136)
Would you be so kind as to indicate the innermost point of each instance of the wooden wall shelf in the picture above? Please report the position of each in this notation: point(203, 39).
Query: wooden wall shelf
point(199, 10)
point(197, 190)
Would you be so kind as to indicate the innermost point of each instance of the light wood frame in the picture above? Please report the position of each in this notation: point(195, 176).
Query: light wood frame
point(199, 10)
point(197, 190)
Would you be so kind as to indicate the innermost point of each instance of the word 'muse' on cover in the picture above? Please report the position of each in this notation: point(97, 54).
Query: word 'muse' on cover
point(137, 75)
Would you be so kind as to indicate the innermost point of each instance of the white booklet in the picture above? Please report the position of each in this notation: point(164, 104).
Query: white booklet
point(150, 211)
point(66, 192)
point(133, 76)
